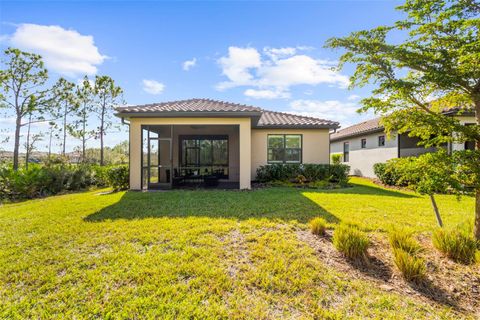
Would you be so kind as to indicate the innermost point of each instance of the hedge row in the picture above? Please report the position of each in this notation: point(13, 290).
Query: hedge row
point(395, 172)
point(336, 173)
point(39, 181)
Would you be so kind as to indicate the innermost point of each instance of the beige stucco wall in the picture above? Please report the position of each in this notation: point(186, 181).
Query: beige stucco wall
point(244, 140)
point(315, 146)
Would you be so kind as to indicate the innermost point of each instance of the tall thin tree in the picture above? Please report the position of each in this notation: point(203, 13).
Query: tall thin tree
point(107, 95)
point(22, 80)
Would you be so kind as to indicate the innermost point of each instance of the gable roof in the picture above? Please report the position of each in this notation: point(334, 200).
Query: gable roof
point(369, 126)
point(207, 107)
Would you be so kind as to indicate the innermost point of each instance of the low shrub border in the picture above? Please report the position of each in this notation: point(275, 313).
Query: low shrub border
point(44, 180)
point(455, 245)
point(306, 173)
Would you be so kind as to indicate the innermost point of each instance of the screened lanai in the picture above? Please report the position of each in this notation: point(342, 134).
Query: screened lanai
point(186, 156)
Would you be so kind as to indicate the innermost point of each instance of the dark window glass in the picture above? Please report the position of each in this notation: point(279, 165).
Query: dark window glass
point(205, 151)
point(346, 152)
point(381, 141)
point(364, 143)
point(284, 148)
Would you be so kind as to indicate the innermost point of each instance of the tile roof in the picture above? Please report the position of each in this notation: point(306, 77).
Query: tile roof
point(271, 119)
point(190, 105)
point(358, 129)
point(267, 119)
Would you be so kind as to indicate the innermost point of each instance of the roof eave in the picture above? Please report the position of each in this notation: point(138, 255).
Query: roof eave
point(297, 126)
point(358, 134)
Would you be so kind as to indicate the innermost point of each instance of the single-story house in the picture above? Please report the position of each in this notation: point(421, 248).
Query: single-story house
point(215, 142)
point(364, 144)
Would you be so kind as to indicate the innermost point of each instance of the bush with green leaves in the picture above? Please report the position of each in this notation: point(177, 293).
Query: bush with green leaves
point(312, 172)
point(118, 177)
point(413, 268)
point(351, 242)
point(456, 245)
point(318, 226)
point(336, 158)
point(53, 178)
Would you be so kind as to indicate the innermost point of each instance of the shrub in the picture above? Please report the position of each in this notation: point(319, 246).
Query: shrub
point(336, 158)
point(318, 226)
point(118, 177)
point(400, 239)
point(455, 245)
point(311, 172)
point(412, 267)
point(55, 177)
point(350, 241)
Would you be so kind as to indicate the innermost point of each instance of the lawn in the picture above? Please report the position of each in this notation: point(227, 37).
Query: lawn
point(203, 254)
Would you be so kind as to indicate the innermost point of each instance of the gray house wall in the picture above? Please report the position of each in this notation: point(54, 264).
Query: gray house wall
point(361, 161)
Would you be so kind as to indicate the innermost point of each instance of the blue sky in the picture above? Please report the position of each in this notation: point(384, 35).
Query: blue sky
point(267, 54)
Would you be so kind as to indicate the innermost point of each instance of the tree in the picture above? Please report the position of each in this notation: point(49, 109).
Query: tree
point(107, 95)
point(436, 67)
point(79, 128)
point(21, 82)
point(64, 100)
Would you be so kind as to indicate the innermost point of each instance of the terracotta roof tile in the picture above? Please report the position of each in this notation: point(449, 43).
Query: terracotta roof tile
point(268, 119)
point(357, 129)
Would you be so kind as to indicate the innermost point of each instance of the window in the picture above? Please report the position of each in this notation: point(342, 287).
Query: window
point(204, 151)
point(346, 152)
point(364, 143)
point(284, 148)
point(381, 141)
point(469, 145)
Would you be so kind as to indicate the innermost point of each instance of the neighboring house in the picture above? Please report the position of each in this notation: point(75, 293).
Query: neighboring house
point(364, 144)
point(202, 140)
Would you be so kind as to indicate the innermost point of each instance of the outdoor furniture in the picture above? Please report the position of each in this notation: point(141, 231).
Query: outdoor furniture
point(210, 181)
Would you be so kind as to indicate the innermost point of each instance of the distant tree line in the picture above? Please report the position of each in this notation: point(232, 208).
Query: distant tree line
point(67, 107)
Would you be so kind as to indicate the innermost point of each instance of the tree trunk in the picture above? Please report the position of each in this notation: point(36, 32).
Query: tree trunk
point(16, 147)
point(84, 132)
point(476, 228)
point(27, 151)
point(50, 144)
point(64, 128)
point(435, 208)
point(101, 135)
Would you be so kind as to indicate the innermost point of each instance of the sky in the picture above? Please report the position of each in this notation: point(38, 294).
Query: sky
point(262, 53)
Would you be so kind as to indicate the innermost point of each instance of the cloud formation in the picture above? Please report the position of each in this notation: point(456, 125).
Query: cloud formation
point(188, 64)
point(153, 86)
point(271, 74)
point(64, 51)
point(343, 112)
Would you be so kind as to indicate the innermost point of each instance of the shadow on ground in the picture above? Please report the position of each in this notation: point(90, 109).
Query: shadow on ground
point(271, 203)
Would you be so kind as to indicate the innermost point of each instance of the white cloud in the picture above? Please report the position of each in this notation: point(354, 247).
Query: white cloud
point(188, 64)
point(266, 94)
point(276, 71)
point(353, 97)
point(236, 66)
point(153, 86)
point(343, 112)
point(64, 51)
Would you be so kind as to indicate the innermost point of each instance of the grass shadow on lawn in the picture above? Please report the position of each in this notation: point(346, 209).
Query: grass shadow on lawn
point(271, 203)
point(362, 189)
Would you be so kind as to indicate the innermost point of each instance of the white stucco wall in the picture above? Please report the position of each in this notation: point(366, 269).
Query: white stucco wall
point(362, 160)
point(463, 120)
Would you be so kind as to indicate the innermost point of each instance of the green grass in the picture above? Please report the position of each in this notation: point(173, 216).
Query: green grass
point(200, 254)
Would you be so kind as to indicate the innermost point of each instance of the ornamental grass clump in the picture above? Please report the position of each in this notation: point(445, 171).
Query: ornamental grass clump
point(456, 245)
point(405, 256)
point(318, 226)
point(351, 242)
point(400, 239)
point(411, 266)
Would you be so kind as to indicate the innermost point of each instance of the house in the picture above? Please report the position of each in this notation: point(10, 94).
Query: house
point(216, 143)
point(364, 144)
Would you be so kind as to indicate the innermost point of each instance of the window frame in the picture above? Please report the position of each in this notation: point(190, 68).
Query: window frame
point(383, 141)
point(197, 138)
point(284, 161)
point(346, 151)
point(363, 143)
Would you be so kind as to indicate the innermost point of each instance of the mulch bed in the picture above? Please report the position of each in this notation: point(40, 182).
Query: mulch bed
point(448, 283)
